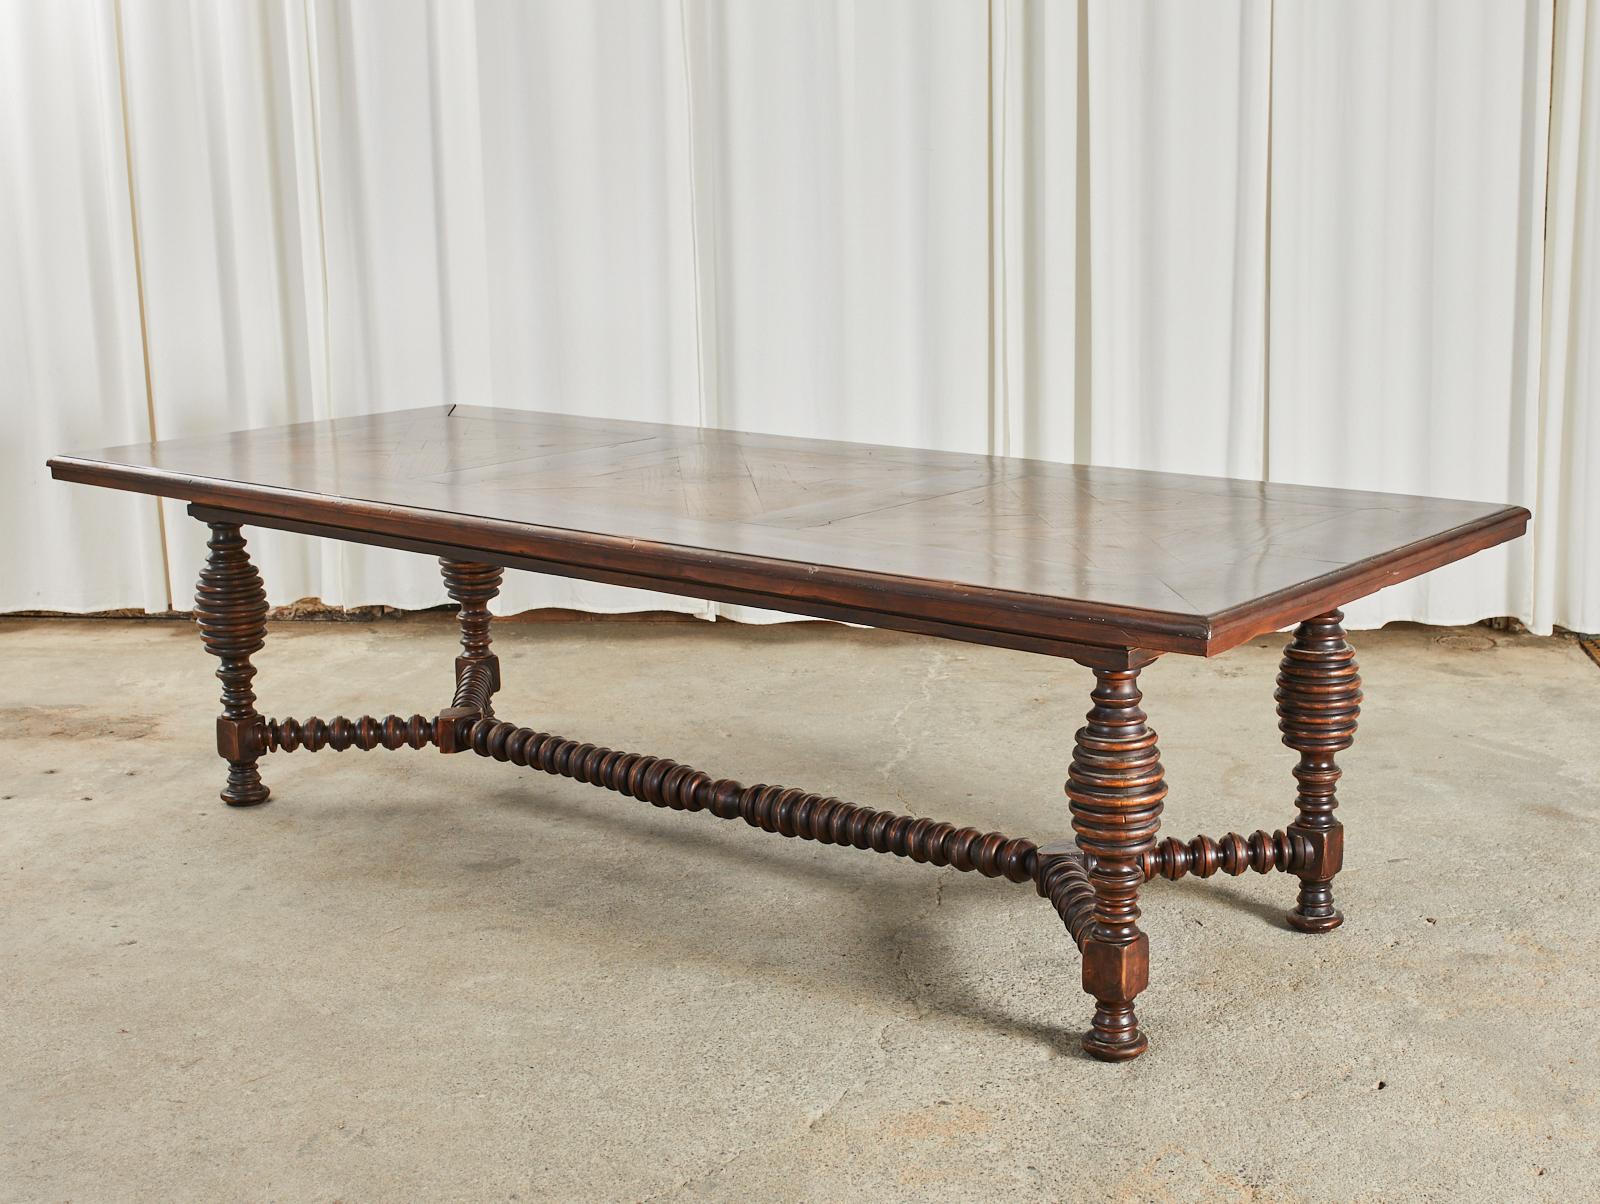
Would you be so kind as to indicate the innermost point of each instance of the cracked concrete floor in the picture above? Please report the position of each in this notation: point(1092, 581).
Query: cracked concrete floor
point(412, 977)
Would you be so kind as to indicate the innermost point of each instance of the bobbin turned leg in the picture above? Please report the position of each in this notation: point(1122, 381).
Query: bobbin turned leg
point(1319, 697)
point(1116, 788)
point(231, 609)
point(471, 586)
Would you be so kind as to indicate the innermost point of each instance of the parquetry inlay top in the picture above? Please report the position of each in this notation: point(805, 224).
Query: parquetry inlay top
point(1167, 553)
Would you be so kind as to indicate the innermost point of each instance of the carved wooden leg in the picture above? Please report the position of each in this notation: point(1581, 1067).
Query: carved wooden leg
point(471, 586)
point(231, 608)
point(1319, 697)
point(1116, 788)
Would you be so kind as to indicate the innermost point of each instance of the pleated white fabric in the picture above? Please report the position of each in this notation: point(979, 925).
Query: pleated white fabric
point(1565, 582)
point(1178, 105)
point(1291, 241)
point(71, 368)
point(367, 207)
point(1407, 205)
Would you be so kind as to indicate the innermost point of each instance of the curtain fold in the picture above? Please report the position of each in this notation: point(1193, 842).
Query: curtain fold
point(1040, 391)
point(226, 280)
point(351, 208)
point(1177, 165)
point(1566, 544)
point(1408, 170)
point(1349, 245)
point(71, 363)
point(840, 154)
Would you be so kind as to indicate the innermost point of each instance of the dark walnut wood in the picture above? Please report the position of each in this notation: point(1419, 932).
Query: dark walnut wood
point(1319, 697)
point(1203, 856)
point(472, 587)
point(1106, 566)
point(1116, 788)
point(230, 605)
point(339, 733)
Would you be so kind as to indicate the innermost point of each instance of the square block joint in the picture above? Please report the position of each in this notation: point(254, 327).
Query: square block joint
point(241, 739)
point(1327, 851)
point(1116, 972)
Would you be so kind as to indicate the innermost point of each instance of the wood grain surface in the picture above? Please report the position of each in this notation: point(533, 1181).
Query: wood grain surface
point(1023, 553)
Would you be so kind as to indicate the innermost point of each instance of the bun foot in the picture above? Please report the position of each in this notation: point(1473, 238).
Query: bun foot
point(245, 787)
point(1302, 923)
point(1120, 1050)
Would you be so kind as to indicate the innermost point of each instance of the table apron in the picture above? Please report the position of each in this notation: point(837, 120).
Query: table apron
point(889, 615)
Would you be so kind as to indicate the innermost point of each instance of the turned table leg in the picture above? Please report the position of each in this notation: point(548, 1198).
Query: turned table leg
point(1319, 697)
point(231, 608)
point(472, 587)
point(1116, 789)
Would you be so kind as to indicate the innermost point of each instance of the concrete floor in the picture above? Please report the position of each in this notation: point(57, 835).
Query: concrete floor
point(414, 977)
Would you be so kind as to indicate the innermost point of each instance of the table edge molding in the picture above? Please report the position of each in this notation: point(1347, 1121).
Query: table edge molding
point(824, 590)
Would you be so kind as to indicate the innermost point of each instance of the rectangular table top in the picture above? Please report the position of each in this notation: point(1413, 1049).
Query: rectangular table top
point(1016, 552)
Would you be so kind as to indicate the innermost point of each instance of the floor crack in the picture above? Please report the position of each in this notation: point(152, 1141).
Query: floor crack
point(919, 1009)
point(694, 1182)
point(937, 671)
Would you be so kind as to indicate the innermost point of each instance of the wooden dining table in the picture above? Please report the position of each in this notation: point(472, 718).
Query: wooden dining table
point(1107, 567)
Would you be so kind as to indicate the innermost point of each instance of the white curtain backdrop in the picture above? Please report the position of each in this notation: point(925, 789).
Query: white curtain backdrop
point(1353, 244)
point(1565, 583)
point(71, 368)
point(1408, 194)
